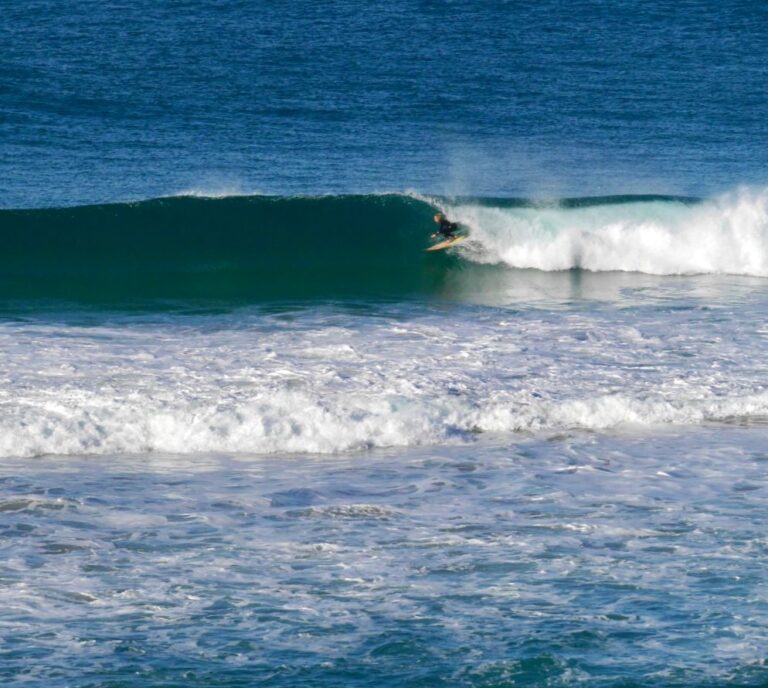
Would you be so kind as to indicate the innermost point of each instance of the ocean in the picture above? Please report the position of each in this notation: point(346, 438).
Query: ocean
point(252, 434)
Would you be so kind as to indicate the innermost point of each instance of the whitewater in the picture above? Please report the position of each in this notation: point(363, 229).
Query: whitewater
point(331, 380)
point(728, 234)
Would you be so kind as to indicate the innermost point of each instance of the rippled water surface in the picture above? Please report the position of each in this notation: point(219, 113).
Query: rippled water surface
point(574, 559)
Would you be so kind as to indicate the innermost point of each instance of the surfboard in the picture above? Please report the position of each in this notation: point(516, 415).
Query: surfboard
point(447, 243)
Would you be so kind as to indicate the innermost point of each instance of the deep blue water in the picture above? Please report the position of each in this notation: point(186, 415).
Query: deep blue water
point(106, 101)
point(267, 440)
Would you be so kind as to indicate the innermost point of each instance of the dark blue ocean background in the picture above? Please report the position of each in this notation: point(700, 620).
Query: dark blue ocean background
point(251, 434)
point(104, 101)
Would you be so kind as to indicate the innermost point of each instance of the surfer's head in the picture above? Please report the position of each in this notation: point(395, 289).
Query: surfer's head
point(438, 218)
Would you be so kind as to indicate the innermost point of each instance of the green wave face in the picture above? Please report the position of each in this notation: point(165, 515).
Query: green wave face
point(244, 249)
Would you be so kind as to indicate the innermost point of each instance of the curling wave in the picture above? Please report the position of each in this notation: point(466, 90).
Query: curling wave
point(239, 248)
point(257, 248)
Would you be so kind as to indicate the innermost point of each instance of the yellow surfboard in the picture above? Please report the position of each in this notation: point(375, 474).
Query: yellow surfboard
point(447, 243)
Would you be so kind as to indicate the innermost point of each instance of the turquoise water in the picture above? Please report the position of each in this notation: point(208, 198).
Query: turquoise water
point(251, 433)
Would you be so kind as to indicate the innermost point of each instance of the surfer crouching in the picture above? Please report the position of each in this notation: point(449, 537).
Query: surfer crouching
point(446, 228)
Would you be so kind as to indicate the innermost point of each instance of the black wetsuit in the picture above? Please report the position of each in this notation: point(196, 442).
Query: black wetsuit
point(447, 228)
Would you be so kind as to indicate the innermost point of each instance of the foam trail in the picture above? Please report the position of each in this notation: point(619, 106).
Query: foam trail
point(728, 235)
point(285, 421)
point(331, 381)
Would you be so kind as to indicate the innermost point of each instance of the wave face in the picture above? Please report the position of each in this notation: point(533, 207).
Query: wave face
point(248, 248)
point(261, 247)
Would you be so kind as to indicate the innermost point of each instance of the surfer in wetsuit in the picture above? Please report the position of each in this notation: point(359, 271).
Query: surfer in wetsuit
point(446, 228)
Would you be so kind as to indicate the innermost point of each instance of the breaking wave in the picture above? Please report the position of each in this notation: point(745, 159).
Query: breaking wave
point(654, 235)
point(257, 248)
point(285, 421)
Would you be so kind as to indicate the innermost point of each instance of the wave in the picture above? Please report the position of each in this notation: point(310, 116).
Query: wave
point(246, 248)
point(284, 421)
point(265, 247)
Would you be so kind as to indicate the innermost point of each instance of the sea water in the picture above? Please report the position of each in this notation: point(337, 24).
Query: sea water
point(252, 434)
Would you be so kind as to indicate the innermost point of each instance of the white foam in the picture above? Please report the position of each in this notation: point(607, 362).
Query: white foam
point(727, 235)
point(289, 422)
point(315, 385)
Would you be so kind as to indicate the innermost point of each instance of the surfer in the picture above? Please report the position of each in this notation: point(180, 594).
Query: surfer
point(446, 228)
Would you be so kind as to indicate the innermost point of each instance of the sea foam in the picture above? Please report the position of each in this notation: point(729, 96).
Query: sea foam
point(293, 423)
point(327, 381)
